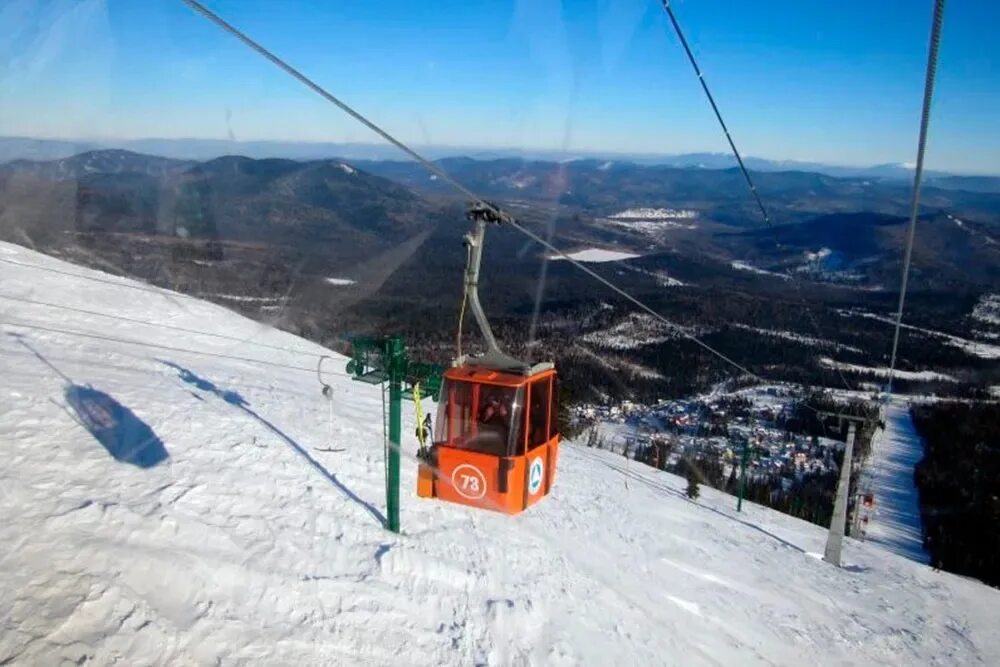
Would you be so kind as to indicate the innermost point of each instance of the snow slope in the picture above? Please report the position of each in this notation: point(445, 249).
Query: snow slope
point(211, 514)
point(896, 523)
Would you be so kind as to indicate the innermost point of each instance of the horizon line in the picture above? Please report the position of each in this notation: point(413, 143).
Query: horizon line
point(465, 150)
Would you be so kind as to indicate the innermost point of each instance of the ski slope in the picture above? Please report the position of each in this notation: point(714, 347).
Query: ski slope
point(208, 512)
point(896, 525)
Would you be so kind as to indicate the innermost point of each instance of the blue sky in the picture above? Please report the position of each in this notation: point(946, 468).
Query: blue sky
point(796, 79)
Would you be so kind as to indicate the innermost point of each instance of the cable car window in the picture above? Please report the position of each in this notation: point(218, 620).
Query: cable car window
point(481, 418)
point(499, 428)
point(455, 413)
point(538, 413)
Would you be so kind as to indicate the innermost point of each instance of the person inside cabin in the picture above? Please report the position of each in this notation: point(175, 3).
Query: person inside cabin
point(494, 423)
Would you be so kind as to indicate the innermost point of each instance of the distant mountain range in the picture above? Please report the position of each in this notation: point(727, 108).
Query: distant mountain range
point(22, 148)
point(328, 248)
point(300, 203)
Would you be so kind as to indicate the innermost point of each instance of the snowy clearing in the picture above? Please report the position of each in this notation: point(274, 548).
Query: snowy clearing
point(340, 281)
point(596, 255)
point(634, 331)
point(797, 338)
point(652, 227)
point(820, 254)
point(883, 371)
point(989, 240)
point(205, 510)
point(971, 347)
point(668, 281)
point(347, 169)
point(662, 278)
point(740, 265)
point(654, 214)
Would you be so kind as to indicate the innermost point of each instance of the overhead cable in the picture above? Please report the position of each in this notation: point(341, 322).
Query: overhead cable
point(925, 117)
point(443, 175)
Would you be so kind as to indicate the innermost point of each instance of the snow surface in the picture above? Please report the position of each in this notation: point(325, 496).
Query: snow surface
point(245, 529)
point(597, 255)
point(896, 524)
point(347, 169)
point(340, 281)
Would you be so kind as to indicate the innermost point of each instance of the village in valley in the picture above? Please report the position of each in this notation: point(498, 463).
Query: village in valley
point(790, 461)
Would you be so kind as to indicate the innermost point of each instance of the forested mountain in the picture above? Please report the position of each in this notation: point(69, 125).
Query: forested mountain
point(328, 248)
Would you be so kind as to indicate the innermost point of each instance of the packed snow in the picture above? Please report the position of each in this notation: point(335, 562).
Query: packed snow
point(187, 499)
point(340, 281)
point(596, 255)
point(895, 523)
point(883, 371)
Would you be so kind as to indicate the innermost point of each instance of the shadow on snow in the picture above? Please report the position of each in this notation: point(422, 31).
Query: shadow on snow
point(126, 437)
point(236, 400)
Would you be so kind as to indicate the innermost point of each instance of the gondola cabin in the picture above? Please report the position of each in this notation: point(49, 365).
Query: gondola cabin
point(496, 439)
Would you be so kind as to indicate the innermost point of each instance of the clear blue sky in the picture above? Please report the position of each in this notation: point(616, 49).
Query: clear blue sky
point(837, 82)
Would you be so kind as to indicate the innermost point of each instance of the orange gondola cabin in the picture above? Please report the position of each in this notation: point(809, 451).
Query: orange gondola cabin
point(496, 439)
point(496, 442)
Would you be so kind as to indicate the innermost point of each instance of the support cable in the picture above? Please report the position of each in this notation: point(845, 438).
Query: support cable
point(739, 159)
point(932, 57)
point(715, 108)
point(438, 171)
